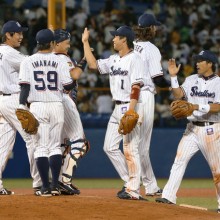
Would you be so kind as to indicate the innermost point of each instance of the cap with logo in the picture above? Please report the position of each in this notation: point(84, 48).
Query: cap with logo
point(45, 36)
point(146, 20)
point(12, 26)
point(124, 31)
point(206, 55)
point(61, 35)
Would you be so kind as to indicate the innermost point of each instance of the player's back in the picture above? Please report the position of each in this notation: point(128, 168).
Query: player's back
point(151, 56)
point(46, 73)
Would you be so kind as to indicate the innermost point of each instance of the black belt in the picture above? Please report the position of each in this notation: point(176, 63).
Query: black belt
point(120, 102)
point(202, 123)
point(4, 94)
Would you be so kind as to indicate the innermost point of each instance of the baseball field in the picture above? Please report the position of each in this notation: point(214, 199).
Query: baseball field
point(196, 200)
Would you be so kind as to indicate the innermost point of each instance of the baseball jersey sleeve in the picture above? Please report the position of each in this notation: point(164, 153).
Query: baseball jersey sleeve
point(186, 85)
point(65, 75)
point(25, 71)
point(155, 68)
point(137, 70)
point(103, 65)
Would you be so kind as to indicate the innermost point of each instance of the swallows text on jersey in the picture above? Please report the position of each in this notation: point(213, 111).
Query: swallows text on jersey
point(40, 63)
point(1, 55)
point(205, 93)
point(118, 72)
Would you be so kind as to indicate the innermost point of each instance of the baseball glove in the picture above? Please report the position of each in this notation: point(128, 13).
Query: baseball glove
point(181, 109)
point(128, 122)
point(28, 122)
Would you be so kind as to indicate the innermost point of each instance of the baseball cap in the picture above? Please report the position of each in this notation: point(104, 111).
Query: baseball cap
point(146, 20)
point(45, 36)
point(206, 55)
point(124, 31)
point(13, 26)
point(61, 35)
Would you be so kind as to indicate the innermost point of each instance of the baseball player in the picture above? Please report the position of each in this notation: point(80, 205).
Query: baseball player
point(145, 32)
point(202, 131)
point(42, 78)
point(75, 145)
point(125, 71)
point(10, 59)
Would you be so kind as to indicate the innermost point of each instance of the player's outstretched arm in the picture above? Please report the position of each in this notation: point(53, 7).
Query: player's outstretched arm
point(173, 70)
point(91, 60)
point(79, 68)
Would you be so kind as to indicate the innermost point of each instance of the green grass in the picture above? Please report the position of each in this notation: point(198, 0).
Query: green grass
point(83, 183)
point(112, 183)
point(210, 203)
point(191, 183)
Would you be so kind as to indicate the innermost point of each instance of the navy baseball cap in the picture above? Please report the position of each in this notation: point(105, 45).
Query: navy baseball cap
point(61, 35)
point(146, 20)
point(13, 26)
point(45, 36)
point(206, 55)
point(124, 31)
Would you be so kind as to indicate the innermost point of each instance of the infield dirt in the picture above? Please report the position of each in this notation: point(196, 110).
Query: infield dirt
point(95, 204)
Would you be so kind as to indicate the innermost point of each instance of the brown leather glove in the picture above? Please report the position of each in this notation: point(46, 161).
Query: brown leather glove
point(181, 109)
point(128, 122)
point(28, 122)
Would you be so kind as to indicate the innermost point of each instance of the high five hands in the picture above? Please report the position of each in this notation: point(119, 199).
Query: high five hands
point(85, 35)
point(172, 67)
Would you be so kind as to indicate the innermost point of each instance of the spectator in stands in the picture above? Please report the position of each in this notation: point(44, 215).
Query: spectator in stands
point(163, 109)
point(183, 32)
point(104, 103)
point(79, 19)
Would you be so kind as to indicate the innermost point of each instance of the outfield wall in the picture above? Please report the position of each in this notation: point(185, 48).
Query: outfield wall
point(96, 164)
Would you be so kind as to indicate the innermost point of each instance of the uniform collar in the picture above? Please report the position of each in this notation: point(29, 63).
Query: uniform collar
point(208, 77)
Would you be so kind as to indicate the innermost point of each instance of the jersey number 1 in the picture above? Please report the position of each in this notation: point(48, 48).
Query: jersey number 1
point(122, 84)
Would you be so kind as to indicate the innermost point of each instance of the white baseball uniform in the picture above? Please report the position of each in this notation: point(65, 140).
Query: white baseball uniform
point(10, 60)
point(123, 73)
point(151, 56)
point(46, 75)
point(199, 134)
point(72, 130)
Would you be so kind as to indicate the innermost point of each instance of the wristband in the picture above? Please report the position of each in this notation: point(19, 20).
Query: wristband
point(82, 64)
point(204, 108)
point(135, 92)
point(174, 82)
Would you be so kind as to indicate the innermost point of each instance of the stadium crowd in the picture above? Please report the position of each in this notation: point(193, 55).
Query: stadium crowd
point(188, 26)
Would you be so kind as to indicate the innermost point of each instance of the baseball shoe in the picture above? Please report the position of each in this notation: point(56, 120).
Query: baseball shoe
point(125, 195)
point(45, 192)
point(55, 191)
point(4, 192)
point(163, 200)
point(37, 191)
point(121, 191)
point(158, 193)
point(218, 210)
point(68, 189)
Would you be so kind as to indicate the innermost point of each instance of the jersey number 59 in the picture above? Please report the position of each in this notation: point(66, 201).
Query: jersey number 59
point(51, 80)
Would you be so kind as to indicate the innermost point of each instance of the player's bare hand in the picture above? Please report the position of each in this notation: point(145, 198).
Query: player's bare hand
point(85, 35)
point(172, 67)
